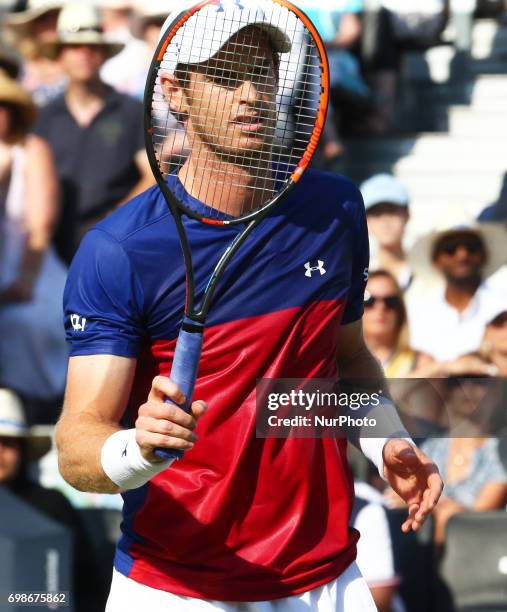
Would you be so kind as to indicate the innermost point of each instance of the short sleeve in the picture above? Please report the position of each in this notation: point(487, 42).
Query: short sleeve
point(360, 262)
point(103, 300)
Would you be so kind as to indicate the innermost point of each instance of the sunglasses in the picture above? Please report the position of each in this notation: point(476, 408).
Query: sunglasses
point(472, 244)
point(500, 320)
point(391, 302)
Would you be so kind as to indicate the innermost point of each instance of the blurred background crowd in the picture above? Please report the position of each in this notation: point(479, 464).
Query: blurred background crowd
point(419, 121)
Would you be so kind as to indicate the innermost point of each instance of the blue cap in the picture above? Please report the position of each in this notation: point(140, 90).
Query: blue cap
point(384, 188)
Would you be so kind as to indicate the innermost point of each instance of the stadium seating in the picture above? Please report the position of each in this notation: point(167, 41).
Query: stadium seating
point(475, 562)
point(35, 552)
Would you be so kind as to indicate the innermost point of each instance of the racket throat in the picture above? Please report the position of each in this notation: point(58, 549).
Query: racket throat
point(193, 325)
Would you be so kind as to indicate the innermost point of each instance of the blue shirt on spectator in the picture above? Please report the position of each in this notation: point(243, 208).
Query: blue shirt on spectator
point(485, 467)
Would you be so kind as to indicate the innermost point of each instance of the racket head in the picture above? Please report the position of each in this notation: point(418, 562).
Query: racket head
point(267, 132)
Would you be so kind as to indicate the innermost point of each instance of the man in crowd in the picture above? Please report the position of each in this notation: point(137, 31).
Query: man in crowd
point(451, 320)
point(96, 134)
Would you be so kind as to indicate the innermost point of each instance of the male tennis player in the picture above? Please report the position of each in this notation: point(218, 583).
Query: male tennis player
point(239, 523)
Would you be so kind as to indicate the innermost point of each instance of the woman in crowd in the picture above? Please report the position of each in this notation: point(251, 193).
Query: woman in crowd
point(33, 352)
point(27, 31)
point(385, 331)
point(386, 200)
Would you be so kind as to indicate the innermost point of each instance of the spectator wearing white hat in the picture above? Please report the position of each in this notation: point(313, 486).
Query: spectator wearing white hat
point(386, 200)
point(20, 446)
point(127, 71)
point(96, 134)
point(27, 31)
point(451, 319)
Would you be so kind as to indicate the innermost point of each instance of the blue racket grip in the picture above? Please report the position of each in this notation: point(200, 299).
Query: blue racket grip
point(184, 371)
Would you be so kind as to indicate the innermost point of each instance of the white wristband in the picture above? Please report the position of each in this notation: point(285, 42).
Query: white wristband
point(123, 462)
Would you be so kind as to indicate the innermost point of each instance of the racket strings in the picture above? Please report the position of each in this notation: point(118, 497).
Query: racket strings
point(251, 113)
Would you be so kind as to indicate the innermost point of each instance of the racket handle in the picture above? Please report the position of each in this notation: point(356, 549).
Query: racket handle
point(184, 371)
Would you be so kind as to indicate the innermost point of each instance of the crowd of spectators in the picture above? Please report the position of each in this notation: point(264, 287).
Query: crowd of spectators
point(72, 76)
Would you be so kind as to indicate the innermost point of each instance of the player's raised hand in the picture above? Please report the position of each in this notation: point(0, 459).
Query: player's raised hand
point(415, 478)
point(165, 425)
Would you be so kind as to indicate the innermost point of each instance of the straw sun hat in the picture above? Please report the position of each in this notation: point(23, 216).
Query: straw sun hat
point(34, 9)
point(14, 95)
point(493, 236)
point(13, 425)
point(79, 24)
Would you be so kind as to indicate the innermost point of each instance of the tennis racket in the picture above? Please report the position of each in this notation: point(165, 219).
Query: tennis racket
point(235, 104)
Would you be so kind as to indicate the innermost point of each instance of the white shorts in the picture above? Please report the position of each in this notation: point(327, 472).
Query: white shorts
point(348, 593)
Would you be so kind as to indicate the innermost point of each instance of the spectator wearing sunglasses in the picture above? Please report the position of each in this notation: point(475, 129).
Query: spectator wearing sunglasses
point(451, 319)
point(386, 201)
point(385, 330)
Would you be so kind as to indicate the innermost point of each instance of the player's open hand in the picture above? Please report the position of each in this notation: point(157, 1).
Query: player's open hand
point(162, 425)
point(415, 478)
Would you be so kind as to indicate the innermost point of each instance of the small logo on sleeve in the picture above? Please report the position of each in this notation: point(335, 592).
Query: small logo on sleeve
point(78, 323)
point(311, 269)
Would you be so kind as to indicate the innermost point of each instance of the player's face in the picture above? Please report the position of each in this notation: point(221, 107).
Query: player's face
point(10, 458)
point(82, 63)
point(382, 314)
point(231, 98)
point(386, 222)
point(460, 257)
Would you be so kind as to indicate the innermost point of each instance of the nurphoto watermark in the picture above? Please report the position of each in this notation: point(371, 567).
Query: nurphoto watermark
point(328, 408)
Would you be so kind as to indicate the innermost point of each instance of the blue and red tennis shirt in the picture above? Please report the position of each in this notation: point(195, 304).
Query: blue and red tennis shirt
point(238, 518)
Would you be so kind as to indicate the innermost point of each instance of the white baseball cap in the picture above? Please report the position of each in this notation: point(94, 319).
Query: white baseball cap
point(384, 188)
point(216, 23)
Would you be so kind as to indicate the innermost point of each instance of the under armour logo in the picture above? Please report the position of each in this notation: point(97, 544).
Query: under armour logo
point(78, 323)
point(124, 454)
point(311, 269)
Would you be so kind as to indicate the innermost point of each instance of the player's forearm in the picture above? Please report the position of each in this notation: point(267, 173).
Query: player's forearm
point(79, 441)
point(362, 373)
